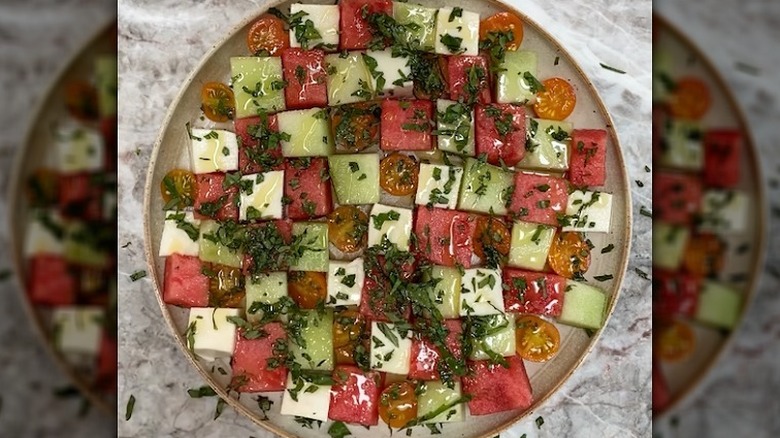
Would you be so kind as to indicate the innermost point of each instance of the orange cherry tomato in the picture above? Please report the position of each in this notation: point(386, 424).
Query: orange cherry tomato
point(81, 100)
point(398, 174)
point(267, 34)
point(348, 228)
point(307, 288)
point(492, 233)
point(398, 404)
point(226, 286)
point(502, 22)
point(348, 328)
point(569, 254)
point(217, 101)
point(675, 342)
point(356, 126)
point(42, 187)
point(178, 189)
point(537, 340)
point(704, 255)
point(557, 101)
point(690, 98)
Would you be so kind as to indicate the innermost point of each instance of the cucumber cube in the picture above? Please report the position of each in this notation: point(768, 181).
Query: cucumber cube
point(309, 131)
point(485, 188)
point(391, 75)
point(436, 394)
point(589, 211)
point(516, 83)
point(317, 336)
point(355, 178)
point(446, 294)
point(180, 235)
point(530, 245)
point(682, 147)
point(421, 32)
point(314, 238)
point(264, 289)
point(455, 128)
point(438, 185)
point(263, 198)
point(481, 292)
point(213, 249)
point(548, 145)
point(500, 341)
point(214, 150)
point(457, 34)
point(106, 84)
point(348, 79)
point(663, 64)
point(391, 350)
point(393, 223)
point(42, 237)
point(258, 85)
point(82, 246)
point(719, 305)
point(345, 282)
point(724, 211)
point(583, 306)
point(669, 243)
point(324, 19)
point(79, 148)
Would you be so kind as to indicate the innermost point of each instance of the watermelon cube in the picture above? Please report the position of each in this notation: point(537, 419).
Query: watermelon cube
point(307, 188)
point(587, 165)
point(354, 396)
point(355, 29)
point(425, 355)
point(255, 153)
point(265, 241)
point(674, 294)
point(501, 133)
point(539, 198)
point(494, 388)
point(445, 237)
point(406, 125)
point(80, 197)
point(533, 292)
point(722, 160)
point(375, 302)
point(661, 394)
point(51, 283)
point(213, 200)
point(676, 197)
point(459, 68)
point(184, 283)
point(107, 364)
point(304, 73)
point(251, 372)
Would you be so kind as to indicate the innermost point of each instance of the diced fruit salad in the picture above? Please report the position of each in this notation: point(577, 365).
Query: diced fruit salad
point(395, 222)
point(70, 240)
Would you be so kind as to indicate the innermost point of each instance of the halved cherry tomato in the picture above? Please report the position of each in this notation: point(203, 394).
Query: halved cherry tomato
point(348, 228)
point(356, 126)
point(675, 342)
point(81, 100)
point(704, 255)
point(42, 187)
point(569, 254)
point(307, 288)
point(217, 101)
point(398, 174)
point(537, 340)
point(178, 189)
point(557, 101)
point(690, 98)
point(226, 286)
point(267, 34)
point(503, 22)
point(492, 233)
point(398, 404)
point(348, 327)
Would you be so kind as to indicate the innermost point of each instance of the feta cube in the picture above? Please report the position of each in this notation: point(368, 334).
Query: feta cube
point(214, 150)
point(44, 234)
point(436, 394)
point(180, 235)
point(457, 32)
point(79, 148)
point(209, 333)
point(438, 185)
point(530, 245)
point(263, 289)
point(589, 211)
point(78, 329)
point(481, 292)
point(324, 19)
point(455, 124)
point(724, 211)
point(393, 222)
point(345, 282)
point(669, 242)
point(391, 350)
point(311, 400)
point(391, 75)
point(263, 197)
point(502, 341)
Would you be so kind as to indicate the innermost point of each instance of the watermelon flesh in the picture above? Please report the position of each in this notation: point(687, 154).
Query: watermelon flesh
point(446, 237)
point(497, 389)
point(248, 149)
point(535, 293)
point(250, 361)
point(50, 282)
point(587, 166)
point(354, 397)
point(184, 284)
point(425, 355)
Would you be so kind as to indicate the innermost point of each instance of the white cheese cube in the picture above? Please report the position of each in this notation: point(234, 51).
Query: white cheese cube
point(438, 185)
point(481, 293)
point(393, 222)
point(501, 342)
point(436, 394)
point(391, 351)
point(44, 234)
point(79, 149)
point(267, 288)
point(325, 19)
point(450, 27)
point(213, 336)
point(214, 150)
point(263, 199)
point(311, 400)
point(181, 235)
point(78, 329)
point(345, 282)
point(669, 242)
point(455, 123)
point(724, 211)
point(395, 73)
point(589, 211)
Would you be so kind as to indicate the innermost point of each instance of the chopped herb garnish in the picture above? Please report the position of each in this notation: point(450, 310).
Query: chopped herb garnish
point(137, 275)
point(612, 68)
point(129, 408)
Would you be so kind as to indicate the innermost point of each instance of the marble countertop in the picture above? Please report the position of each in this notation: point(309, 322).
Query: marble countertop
point(161, 42)
point(35, 44)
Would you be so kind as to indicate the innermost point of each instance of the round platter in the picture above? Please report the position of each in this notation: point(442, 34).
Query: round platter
point(744, 251)
point(171, 151)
